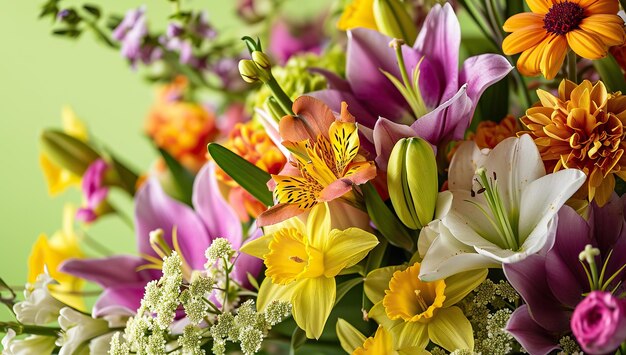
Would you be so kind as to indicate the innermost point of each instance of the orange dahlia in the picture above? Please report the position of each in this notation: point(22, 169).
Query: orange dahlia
point(543, 36)
point(582, 128)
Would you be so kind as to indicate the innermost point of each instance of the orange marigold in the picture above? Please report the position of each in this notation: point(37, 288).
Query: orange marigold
point(543, 36)
point(489, 134)
point(582, 128)
point(251, 142)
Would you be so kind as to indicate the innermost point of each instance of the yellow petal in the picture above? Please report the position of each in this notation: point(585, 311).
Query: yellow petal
point(349, 337)
point(312, 301)
point(521, 20)
point(378, 313)
point(269, 292)
point(523, 39)
point(56, 178)
point(553, 56)
point(72, 125)
point(377, 281)
point(294, 222)
point(258, 247)
point(539, 6)
point(346, 248)
point(605, 27)
point(344, 139)
point(380, 343)
point(359, 13)
point(460, 285)
point(411, 334)
point(529, 61)
point(586, 44)
point(451, 330)
point(318, 226)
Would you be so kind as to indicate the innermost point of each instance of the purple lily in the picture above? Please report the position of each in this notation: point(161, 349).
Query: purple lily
point(286, 39)
point(95, 192)
point(554, 283)
point(449, 95)
point(196, 229)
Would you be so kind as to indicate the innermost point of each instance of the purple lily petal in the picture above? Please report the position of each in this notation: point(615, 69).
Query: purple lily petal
point(220, 219)
point(334, 81)
point(247, 264)
point(448, 121)
point(101, 272)
point(119, 300)
point(482, 71)
point(608, 222)
point(528, 278)
point(439, 40)
point(531, 335)
point(386, 135)
point(154, 209)
point(564, 274)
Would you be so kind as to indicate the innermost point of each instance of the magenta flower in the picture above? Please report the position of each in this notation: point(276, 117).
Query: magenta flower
point(211, 218)
point(599, 322)
point(450, 94)
point(287, 39)
point(553, 283)
point(95, 192)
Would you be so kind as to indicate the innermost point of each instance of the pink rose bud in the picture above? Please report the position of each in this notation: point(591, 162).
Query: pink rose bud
point(599, 322)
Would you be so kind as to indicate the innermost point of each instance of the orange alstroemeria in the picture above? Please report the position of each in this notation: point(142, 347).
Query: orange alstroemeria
point(326, 162)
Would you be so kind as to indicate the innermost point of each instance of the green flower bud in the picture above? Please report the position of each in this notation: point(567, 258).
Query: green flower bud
point(249, 71)
point(393, 20)
point(67, 152)
point(262, 60)
point(412, 181)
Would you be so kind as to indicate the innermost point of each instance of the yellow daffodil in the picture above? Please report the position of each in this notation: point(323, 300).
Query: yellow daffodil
point(353, 342)
point(359, 13)
point(302, 262)
point(415, 312)
point(49, 253)
point(57, 178)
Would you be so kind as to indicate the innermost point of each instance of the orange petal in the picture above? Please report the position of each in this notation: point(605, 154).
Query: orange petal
point(553, 56)
point(278, 213)
point(523, 39)
point(525, 19)
point(593, 7)
point(312, 118)
point(539, 6)
point(604, 26)
point(586, 44)
point(528, 63)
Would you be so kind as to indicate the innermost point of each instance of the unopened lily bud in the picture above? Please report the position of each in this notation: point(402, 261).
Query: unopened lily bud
point(67, 152)
point(262, 60)
point(249, 71)
point(412, 181)
point(393, 20)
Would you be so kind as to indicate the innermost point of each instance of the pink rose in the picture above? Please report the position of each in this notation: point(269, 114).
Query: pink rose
point(599, 322)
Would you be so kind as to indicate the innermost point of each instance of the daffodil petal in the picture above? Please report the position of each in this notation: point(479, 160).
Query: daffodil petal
point(346, 248)
point(349, 337)
point(269, 292)
point(378, 313)
point(318, 226)
point(377, 281)
point(451, 330)
point(312, 301)
point(460, 285)
point(258, 247)
point(410, 334)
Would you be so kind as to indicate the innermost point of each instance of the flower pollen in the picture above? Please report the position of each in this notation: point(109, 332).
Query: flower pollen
point(563, 17)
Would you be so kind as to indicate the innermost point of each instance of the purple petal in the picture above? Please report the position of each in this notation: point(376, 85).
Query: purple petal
point(608, 222)
point(565, 275)
point(101, 271)
point(368, 53)
point(528, 277)
point(531, 335)
point(386, 134)
point(247, 264)
point(482, 71)
point(333, 81)
point(448, 121)
point(439, 40)
point(120, 300)
point(154, 209)
point(220, 219)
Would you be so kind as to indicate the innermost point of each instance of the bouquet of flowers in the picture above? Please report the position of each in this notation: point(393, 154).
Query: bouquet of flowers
point(374, 180)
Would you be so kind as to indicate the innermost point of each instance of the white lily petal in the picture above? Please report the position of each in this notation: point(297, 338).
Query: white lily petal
point(541, 239)
point(444, 204)
point(463, 165)
point(468, 223)
point(517, 163)
point(427, 236)
point(543, 198)
point(447, 256)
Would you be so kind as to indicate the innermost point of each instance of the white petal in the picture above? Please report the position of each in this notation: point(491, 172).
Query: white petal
point(463, 165)
point(444, 204)
point(447, 256)
point(517, 163)
point(543, 198)
point(469, 223)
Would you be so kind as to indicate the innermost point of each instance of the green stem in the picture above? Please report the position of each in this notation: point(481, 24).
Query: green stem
point(29, 329)
point(402, 66)
point(279, 94)
point(572, 74)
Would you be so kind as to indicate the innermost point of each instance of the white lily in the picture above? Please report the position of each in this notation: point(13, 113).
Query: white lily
point(38, 307)
point(504, 208)
point(79, 329)
point(33, 344)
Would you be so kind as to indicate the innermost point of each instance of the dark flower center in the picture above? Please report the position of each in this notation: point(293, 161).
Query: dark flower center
point(563, 17)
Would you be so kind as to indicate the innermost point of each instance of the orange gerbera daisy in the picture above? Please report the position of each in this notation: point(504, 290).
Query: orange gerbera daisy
point(582, 128)
point(588, 27)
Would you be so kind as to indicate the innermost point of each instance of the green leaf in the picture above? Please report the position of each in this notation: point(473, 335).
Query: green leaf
point(346, 286)
point(386, 222)
point(376, 256)
point(494, 103)
point(247, 175)
point(252, 280)
point(93, 10)
point(298, 338)
point(611, 73)
point(67, 32)
point(182, 177)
